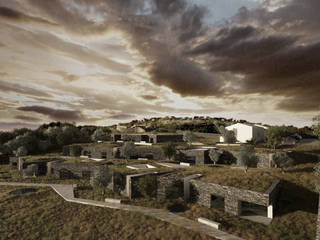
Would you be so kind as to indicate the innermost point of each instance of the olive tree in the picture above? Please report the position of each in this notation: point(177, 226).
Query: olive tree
point(188, 137)
point(169, 150)
point(214, 155)
point(247, 156)
point(101, 177)
point(128, 149)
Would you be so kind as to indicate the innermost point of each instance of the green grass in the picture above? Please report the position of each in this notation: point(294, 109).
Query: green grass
point(254, 179)
point(45, 215)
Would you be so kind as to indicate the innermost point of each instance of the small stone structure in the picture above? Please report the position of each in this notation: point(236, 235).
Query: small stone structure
point(203, 191)
point(148, 137)
point(168, 181)
point(194, 156)
point(61, 170)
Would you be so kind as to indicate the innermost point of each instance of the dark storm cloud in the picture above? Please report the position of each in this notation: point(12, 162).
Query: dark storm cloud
point(121, 116)
point(271, 57)
point(55, 114)
point(191, 23)
point(224, 39)
point(149, 97)
point(20, 89)
point(27, 118)
point(275, 52)
point(11, 14)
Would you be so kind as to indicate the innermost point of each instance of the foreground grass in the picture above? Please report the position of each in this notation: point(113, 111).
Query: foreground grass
point(44, 215)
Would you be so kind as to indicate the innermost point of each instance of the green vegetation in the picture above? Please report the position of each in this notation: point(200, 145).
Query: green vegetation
point(169, 150)
point(247, 156)
point(214, 155)
point(45, 215)
point(128, 149)
point(101, 177)
point(282, 160)
point(229, 136)
point(316, 125)
point(147, 186)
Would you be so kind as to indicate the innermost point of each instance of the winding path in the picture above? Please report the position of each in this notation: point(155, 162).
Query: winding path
point(67, 193)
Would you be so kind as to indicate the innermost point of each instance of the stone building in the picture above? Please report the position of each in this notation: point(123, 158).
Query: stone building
point(234, 200)
point(65, 170)
point(148, 137)
point(194, 156)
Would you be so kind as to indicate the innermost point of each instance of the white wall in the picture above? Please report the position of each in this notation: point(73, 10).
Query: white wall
point(243, 132)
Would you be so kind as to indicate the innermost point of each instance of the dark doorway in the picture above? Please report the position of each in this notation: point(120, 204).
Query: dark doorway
point(217, 202)
point(252, 209)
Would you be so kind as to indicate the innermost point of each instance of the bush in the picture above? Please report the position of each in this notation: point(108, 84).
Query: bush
point(282, 160)
point(75, 150)
point(214, 155)
point(147, 186)
point(101, 177)
point(169, 150)
point(247, 156)
point(128, 149)
point(21, 151)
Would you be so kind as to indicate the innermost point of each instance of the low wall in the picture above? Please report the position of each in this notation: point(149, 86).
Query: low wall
point(60, 170)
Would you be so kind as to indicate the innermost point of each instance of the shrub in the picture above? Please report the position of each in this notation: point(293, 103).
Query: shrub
point(75, 150)
point(247, 156)
point(21, 151)
point(214, 155)
point(169, 150)
point(147, 186)
point(101, 177)
point(282, 160)
point(128, 149)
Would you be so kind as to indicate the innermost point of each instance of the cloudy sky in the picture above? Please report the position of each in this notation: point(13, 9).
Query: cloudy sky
point(101, 62)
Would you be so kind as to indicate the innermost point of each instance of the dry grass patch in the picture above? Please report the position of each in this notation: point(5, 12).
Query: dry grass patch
point(44, 215)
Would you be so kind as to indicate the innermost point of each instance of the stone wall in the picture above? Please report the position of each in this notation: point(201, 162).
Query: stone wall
point(202, 191)
point(264, 159)
point(60, 169)
point(167, 181)
point(199, 156)
point(162, 138)
point(154, 153)
point(99, 152)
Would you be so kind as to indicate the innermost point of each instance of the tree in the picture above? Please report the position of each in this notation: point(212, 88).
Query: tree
point(316, 126)
point(188, 137)
point(169, 150)
point(75, 150)
point(101, 177)
point(100, 135)
point(228, 136)
point(214, 155)
point(128, 149)
point(274, 137)
point(247, 156)
point(21, 151)
point(282, 160)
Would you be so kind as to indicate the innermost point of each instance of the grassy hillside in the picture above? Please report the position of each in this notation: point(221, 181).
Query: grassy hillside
point(44, 215)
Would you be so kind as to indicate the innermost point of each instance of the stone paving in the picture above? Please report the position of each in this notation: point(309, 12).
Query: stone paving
point(67, 193)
